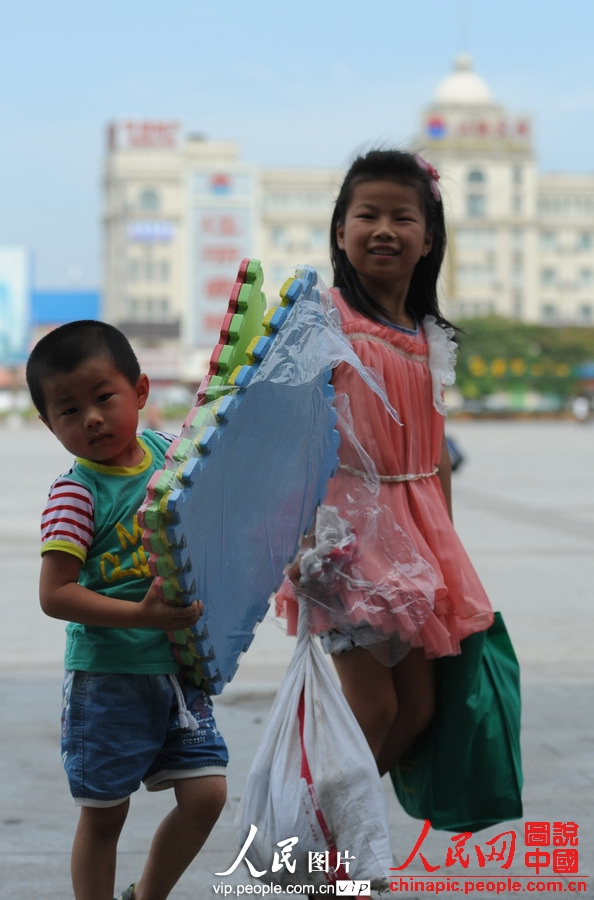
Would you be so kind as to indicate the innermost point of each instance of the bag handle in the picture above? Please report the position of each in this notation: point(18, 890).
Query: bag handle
point(335, 871)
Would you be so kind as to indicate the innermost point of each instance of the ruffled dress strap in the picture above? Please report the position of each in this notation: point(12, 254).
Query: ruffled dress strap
point(442, 358)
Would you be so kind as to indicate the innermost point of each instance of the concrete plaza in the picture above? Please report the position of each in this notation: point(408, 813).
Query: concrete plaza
point(524, 507)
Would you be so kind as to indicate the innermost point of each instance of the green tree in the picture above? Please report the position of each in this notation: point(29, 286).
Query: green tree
point(498, 354)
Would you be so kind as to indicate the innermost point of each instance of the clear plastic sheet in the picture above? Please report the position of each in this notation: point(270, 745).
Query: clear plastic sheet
point(299, 355)
point(360, 573)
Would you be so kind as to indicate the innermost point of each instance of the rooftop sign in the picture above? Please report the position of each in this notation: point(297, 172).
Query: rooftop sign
point(143, 135)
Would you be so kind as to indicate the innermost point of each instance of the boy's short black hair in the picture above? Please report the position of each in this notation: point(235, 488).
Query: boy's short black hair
point(66, 347)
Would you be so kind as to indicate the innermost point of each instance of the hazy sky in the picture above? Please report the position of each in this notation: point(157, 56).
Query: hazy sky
point(302, 83)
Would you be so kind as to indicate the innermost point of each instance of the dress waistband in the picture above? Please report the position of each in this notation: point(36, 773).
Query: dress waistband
point(391, 478)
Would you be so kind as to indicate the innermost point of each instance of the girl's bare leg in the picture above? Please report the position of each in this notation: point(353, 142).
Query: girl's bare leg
point(415, 689)
point(392, 705)
point(369, 689)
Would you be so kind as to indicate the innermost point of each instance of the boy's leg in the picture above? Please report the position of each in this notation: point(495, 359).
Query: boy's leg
point(181, 834)
point(93, 863)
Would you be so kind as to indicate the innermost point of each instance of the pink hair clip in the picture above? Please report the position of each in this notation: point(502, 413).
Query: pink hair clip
point(433, 174)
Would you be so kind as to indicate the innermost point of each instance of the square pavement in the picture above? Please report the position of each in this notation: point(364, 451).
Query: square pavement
point(524, 507)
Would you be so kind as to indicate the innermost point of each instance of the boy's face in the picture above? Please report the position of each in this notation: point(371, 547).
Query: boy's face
point(93, 411)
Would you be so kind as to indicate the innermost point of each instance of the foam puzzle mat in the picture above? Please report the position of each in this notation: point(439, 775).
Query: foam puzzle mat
point(240, 485)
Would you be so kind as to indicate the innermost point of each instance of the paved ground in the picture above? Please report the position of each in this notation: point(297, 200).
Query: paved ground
point(524, 506)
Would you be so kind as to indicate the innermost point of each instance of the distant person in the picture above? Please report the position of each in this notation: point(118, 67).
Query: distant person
point(126, 718)
point(403, 591)
point(581, 408)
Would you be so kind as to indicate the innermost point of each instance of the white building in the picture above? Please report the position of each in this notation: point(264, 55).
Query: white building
point(180, 212)
point(521, 244)
point(179, 216)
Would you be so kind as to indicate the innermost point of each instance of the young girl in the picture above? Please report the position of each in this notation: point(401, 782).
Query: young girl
point(397, 588)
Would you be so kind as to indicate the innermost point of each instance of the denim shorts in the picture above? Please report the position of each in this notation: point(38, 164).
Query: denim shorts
point(121, 730)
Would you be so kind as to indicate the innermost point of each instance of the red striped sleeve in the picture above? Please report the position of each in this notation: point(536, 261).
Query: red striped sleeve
point(68, 515)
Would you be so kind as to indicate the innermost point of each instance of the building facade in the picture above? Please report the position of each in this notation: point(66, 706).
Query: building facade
point(181, 211)
point(521, 243)
point(179, 216)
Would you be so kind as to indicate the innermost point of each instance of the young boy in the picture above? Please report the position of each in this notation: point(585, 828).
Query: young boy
point(125, 717)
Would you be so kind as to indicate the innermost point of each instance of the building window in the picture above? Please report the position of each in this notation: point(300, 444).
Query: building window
point(476, 177)
point(317, 237)
point(282, 200)
point(517, 240)
point(548, 241)
point(549, 312)
point(586, 278)
point(149, 200)
point(163, 308)
point(149, 269)
point(516, 204)
point(475, 275)
point(517, 175)
point(475, 239)
point(150, 309)
point(472, 308)
point(476, 206)
point(278, 237)
point(548, 277)
point(586, 312)
point(279, 274)
point(585, 241)
point(518, 275)
point(518, 304)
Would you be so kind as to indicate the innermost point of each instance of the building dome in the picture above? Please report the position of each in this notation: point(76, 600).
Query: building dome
point(463, 86)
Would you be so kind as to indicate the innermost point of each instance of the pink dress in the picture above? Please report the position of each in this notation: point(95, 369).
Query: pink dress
point(406, 573)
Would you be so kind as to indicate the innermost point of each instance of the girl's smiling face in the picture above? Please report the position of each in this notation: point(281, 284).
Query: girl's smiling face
point(384, 235)
point(93, 411)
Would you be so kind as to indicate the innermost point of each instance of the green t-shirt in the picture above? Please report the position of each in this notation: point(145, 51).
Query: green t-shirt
point(116, 565)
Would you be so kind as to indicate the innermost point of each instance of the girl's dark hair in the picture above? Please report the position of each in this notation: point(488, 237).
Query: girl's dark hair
point(66, 347)
point(392, 165)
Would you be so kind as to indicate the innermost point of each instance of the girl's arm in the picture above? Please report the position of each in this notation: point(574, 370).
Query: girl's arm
point(62, 597)
point(445, 475)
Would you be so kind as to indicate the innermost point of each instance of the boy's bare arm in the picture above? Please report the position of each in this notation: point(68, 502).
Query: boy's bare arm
point(62, 597)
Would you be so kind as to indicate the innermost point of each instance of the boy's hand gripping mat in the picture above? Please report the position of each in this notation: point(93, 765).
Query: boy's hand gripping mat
point(241, 484)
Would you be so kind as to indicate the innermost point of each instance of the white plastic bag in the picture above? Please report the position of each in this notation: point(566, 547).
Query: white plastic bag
point(314, 779)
